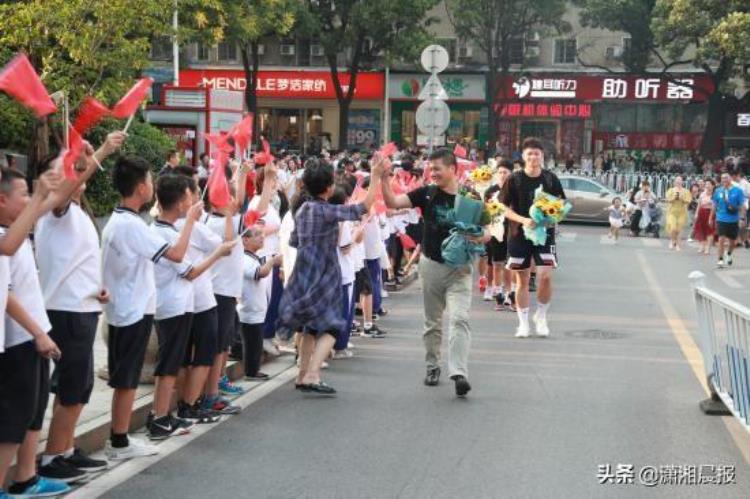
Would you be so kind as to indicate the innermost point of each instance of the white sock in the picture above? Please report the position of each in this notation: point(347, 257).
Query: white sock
point(513, 287)
point(47, 458)
point(523, 317)
point(541, 310)
point(69, 452)
point(367, 325)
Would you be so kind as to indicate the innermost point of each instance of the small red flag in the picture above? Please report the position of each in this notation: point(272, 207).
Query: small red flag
point(72, 154)
point(388, 149)
point(19, 80)
point(407, 242)
point(242, 133)
point(264, 157)
point(220, 147)
point(89, 114)
point(251, 218)
point(128, 105)
point(459, 151)
point(218, 187)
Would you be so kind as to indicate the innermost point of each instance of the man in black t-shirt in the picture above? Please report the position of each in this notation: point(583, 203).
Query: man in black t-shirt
point(442, 286)
point(518, 195)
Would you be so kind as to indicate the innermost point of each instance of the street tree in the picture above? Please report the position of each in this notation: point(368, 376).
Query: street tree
point(356, 34)
point(497, 26)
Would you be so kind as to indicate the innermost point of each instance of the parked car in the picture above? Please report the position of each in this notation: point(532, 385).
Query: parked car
point(590, 199)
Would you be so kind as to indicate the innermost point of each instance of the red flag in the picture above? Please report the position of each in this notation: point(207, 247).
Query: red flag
point(242, 133)
point(388, 149)
point(266, 146)
point(220, 147)
point(128, 105)
point(265, 157)
point(89, 114)
point(72, 154)
point(218, 187)
point(251, 218)
point(459, 151)
point(19, 80)
point(407, 242)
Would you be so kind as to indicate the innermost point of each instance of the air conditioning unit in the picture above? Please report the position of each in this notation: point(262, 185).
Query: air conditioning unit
point(532, 52)
point(261, 49)
point(287, 49)
point(465, 52)
point(614, 52)
point(316, 50)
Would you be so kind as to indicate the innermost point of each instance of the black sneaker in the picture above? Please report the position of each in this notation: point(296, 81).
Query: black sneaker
point(160, 428)
point(193, 413)
point(373, 332)
point(462, 385)
point(259, 376)
point(181, 426)
point(58, 469)
point(85, 463)
point(382, 312)
point(433, 376)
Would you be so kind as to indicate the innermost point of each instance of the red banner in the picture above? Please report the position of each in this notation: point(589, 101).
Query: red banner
point(614, 140)
point(606, 87)
point(544, 110)
point(287, 84)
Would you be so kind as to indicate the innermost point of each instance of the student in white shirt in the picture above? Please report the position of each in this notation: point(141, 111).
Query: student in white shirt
point(174, 306)
point(344, 251)
point(253, 305)
point(129, 251)
point(68, 255)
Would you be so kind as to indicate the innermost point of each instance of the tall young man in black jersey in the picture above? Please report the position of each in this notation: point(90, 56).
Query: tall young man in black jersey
point(518, 195)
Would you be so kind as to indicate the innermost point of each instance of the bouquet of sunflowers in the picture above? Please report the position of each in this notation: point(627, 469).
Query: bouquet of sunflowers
point(465, 220)
point(495, 211)
point(546, 211)
point(481, 177)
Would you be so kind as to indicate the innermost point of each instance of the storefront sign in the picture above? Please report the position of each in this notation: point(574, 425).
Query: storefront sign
point(695, 88)
point(614, 140)
point(743, 120)
point(467, 87)
point(543, 110)
point(287, 84)
point(364, 127)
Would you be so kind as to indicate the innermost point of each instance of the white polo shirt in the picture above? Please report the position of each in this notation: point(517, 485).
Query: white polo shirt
point(129, 250)
point(345, 260)
point(271, 243)
point(4, 284)
point(68, 254)
point(373, 241)
point(24, 284)
point(203, 242)
point(226, 277)
point(174, 292)
point(253, 304)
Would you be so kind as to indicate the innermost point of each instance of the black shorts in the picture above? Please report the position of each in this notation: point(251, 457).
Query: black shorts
point(173, 335)
point(415, 231)
point(74, 333)
point(521, 252)
point(126, 351)
point(363, 282)
point(319, 334)
point(226, 310)
point(497, 252)
point(24, 392)
point(730, 230)
point(202, 344)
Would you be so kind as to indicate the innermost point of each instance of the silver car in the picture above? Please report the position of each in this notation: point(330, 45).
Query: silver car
point(590, 199)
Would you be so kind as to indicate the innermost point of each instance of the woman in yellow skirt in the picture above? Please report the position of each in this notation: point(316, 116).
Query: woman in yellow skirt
point(678, 199)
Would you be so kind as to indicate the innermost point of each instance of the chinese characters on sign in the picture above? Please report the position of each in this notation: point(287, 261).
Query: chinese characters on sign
point(647, 88)
point(683, 141)
point(544, 110)
point(653, 476)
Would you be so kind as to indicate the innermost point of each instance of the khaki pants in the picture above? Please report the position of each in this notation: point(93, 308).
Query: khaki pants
point(444, 286)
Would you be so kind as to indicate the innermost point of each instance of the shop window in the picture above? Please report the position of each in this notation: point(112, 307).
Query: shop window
point(227, 51)
point(616, 117)
point(655, 118)
point(408, 127)
point(566, 50)
point(691, 118)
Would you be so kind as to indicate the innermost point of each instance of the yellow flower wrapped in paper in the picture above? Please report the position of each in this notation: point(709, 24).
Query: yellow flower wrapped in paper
point(547, 210)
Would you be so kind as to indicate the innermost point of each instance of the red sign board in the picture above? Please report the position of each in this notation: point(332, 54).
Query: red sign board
point(609, 87)
point(544, 110)
point(614, 140)
point(287, 84)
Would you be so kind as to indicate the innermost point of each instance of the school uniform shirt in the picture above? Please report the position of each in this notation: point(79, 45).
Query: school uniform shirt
point(358, 256)
point(203, 242)
point(129, 251)
point(68, 255)
point(4, 284)
point(373, 242)
point(271, 243)
point(288, 253)
point(24, 284)
point(253, 305)
point(345, 259)
point(226, 279)
point(174, 292)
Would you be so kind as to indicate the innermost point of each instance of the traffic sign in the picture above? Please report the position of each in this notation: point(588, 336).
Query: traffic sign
point(435, 59)
point(433, 117)
point(433, 89)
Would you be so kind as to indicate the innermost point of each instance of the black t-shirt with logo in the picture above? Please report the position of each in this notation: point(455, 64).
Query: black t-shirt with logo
point(428, 198)
point(518, 194)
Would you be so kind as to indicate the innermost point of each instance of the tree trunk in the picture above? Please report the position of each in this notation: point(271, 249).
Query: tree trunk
point(491, 117)
point(39, 147)
point(344, 105)
point(251, 64)
point(711, 147)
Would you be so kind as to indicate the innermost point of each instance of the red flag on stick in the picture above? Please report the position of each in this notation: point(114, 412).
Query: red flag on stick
point(459, 151)
point(242, 133)
point(265, 157)
point(72, 154)
point(89, 114)
point(251, 218)
point(19, 80)
point(388, 149)
point(128, 105)
point(218, 187)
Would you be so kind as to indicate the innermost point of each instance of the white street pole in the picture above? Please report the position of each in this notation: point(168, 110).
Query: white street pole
point(175, 47)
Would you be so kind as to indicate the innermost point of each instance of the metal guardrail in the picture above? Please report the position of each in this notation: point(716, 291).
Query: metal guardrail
point(724, 332)
point(624, 182)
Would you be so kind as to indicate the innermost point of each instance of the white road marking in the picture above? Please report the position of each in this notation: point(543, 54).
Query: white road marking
point(567, 237)
point(728, 276)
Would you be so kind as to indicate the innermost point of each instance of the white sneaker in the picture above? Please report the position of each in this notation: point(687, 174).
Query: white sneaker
point(286, 347)
point(542, 329)
point(135, 448)
point(384, 293)
point(325, 365)
point(343, 354)
point(270, 348)
point(522, 331)
point(489, 294)
point(720, 263)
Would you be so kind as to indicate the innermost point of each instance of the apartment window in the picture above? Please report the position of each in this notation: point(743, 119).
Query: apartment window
point(203, 52)
point(161, 48)
point(516, 48)
point(227, 51)
point(565, 51)
point(451, 45)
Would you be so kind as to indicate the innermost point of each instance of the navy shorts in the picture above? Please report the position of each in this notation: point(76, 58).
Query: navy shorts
point(24, 392)
point(173, 334)
point(74, 333)
point(127, 349)
point(228, 322)
point(202, 344)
